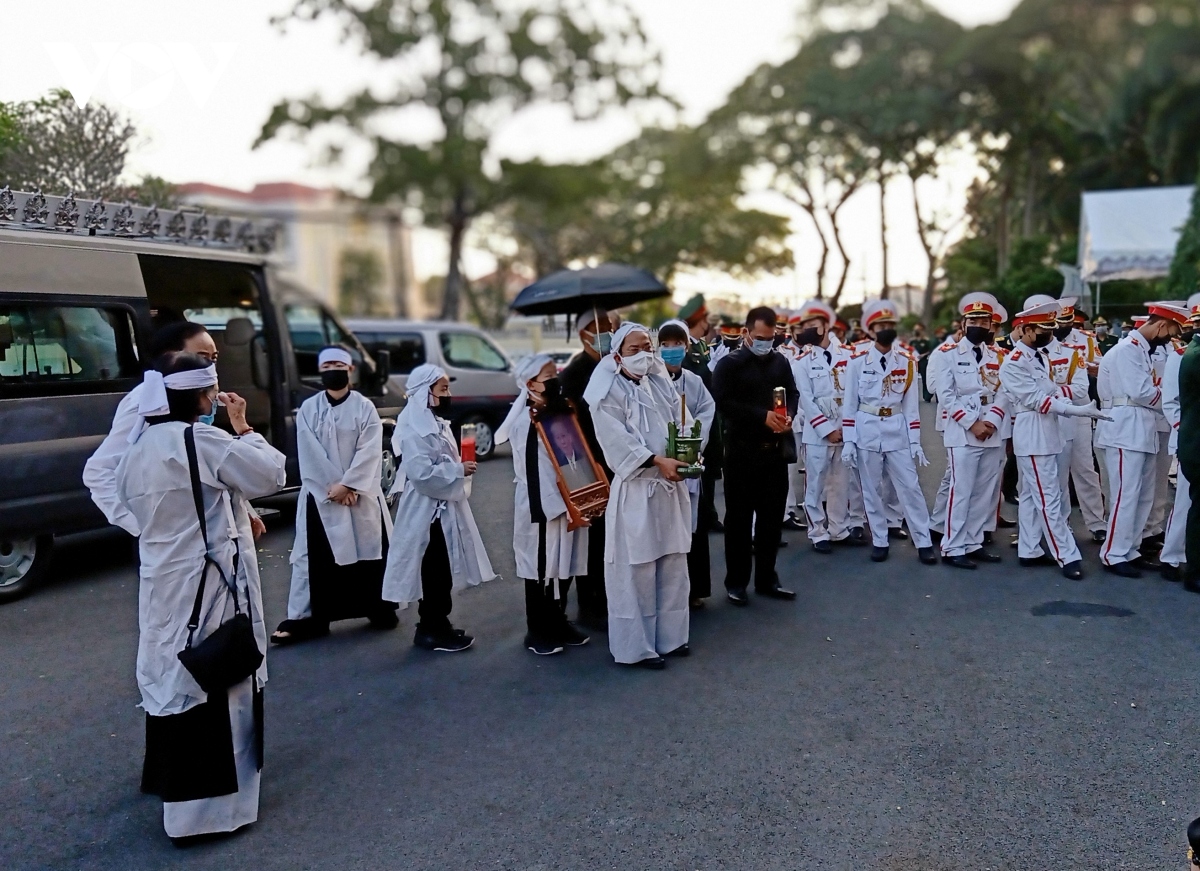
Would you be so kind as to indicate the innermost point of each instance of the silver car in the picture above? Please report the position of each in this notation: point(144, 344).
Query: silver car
point(483, 382)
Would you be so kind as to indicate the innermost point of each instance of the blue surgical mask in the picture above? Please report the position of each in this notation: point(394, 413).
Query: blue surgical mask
point(762, 347)
point(672, 356)
point(211, 417)
point(602, 343)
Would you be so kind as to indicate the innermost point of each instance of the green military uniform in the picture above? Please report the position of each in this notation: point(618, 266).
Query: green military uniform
point(1188, 453)
point(696, 360)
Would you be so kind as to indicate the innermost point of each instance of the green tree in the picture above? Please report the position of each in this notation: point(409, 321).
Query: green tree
point(471, 64)
point(57, 146)
point(360, 274)
point(1184, 279)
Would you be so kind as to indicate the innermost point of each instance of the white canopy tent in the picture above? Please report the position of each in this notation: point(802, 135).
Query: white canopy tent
point(1131, 234)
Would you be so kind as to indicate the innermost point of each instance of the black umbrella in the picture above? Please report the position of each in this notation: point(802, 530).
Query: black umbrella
point(607, 286)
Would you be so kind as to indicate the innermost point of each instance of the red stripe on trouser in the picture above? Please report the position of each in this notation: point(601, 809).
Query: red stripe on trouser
point(1045, 517)
point(1112, 519)
point(950, 503)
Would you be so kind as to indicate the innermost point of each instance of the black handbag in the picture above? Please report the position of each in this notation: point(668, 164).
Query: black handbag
point(230, 654)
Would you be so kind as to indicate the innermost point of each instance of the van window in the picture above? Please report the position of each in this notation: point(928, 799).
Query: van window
point(407, 349)
point(471, 351)
point(75, 346)
point(311, 330)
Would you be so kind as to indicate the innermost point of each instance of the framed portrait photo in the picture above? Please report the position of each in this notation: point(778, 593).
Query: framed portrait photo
point(581, 480)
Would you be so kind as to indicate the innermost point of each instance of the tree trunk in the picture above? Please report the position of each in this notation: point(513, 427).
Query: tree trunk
point(837, 238)
point(1002, 240)
point(1028, 219)
point(452, 293)
point(883, 180)
point(923, 235)
point(398, 261)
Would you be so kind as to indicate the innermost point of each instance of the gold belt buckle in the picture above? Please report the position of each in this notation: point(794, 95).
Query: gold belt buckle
point(885, 412)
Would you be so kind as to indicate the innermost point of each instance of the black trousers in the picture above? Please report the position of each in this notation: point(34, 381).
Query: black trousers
point(708, 495)
point(544, 611)
point(1192, 534)
point(699, 563)
point(756, 487)
point(436, 583)
point(593, 600)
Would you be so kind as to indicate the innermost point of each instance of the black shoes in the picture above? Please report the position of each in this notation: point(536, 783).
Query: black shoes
point(1073, 571)
point(776, 592)
point(822, 546)
point(572, 637)
point(1003, 522)
point(541, 647)
point(738, 597)
point(1148, 562)
point(654, 663)
point(1099, 536)
point(984, 556)
point(857, 537)
point(793, 522)
point(1030, 562)
point(959, 562)
point(897, 533)
point(1123, 570)
point(680, 652)
point(1171, 573)
point(452, 642)
point(878, 554)
point(928, 556)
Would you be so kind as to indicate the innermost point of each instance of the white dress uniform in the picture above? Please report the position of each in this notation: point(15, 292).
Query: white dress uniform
point(1175, 534)
point(338, 444)
point(1157, 521)
point(933, 370)
point(648, 519)
point(1082, 465)
point(1130, 394)
point(968, 391)
point(153, 485)
point(1068, 371)
point(881, 419)
point(1036, 403)
point(833, 502)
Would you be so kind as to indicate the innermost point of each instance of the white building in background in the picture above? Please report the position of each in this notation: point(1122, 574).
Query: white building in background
point(320, 227)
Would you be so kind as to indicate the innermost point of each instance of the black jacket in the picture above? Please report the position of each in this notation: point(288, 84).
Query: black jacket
point(744, 390)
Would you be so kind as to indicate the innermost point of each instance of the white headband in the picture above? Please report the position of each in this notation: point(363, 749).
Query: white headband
point(334, 355)
point(153, 399)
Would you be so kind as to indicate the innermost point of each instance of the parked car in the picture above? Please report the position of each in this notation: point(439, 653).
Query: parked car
point(77, 308)
point(483, 385)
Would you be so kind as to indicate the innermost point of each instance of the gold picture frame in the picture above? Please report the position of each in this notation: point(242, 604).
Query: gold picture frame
point(581, 479)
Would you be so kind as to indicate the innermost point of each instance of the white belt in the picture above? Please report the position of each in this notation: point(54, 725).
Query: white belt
point(1117, 401)
point(876, 410)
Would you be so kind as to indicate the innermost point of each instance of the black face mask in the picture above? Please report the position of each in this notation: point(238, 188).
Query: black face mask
point(885, 337)
point(551, 390)
point(977, 335)
point(811, 336)
point(1186, 336)
point(991, 336)
point(1159, 341)
point(1041, 340)
point(335, 379)
point(733, 344)
point(442, 409)
point(779, 340)
point(1061, 333)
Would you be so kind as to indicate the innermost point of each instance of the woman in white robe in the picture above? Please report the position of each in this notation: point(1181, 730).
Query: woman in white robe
point(342, 519)
point(548, 554)
point(673, 342)
point(438, 547)
point(649, 511)
point(203, 753)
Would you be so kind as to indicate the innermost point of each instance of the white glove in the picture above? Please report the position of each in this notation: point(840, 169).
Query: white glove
point(828, 407)
point(919, 456)
point(1088, 410)
point(850, 456)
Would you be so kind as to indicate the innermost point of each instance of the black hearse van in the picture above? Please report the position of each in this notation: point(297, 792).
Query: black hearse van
point(82, 286)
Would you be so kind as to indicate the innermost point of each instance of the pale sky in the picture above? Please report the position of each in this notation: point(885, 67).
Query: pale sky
point(198, 79)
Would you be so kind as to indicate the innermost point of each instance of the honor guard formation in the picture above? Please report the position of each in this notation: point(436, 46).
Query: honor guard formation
point(810, 422)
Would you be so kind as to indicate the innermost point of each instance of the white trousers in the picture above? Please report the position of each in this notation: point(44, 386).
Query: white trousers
point(833, 503)
point(647, 607)
point(879, 468)
point(1157, 520)
point(1174, 550)
point(225, 813)
point(1082, 471)
point(1131, 496)
point(1001, 458)
point(970, 503)
point(893, 508)
point(937, 519)
point(1040, 511)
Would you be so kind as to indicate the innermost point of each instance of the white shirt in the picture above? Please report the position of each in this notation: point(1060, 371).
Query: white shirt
point(968, 392)
point(1129, 393)
point(876, 380)
point(820, 376)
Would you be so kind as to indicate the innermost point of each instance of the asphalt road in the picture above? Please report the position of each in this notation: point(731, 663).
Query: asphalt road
point(895, 716)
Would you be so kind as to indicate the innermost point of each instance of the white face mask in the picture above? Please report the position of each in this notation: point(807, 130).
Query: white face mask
point(638, 364)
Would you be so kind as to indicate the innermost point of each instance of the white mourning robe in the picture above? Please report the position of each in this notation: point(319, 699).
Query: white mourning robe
point(563, 552)
point(154, 485)
point(338, 444)
point(432, 484)
point(100, 471)
point(648, 521)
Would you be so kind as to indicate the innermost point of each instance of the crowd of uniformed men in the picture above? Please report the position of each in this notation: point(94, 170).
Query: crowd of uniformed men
point(800, 420)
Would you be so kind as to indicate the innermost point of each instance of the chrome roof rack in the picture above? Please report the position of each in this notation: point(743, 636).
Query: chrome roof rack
point(185, 226)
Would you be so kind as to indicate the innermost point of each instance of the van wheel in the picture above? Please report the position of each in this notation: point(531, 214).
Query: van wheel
point(391, 467)
point(23, 562)
point(485, 438)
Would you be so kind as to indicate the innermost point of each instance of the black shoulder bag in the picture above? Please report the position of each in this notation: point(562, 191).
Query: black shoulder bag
point(230, 654)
